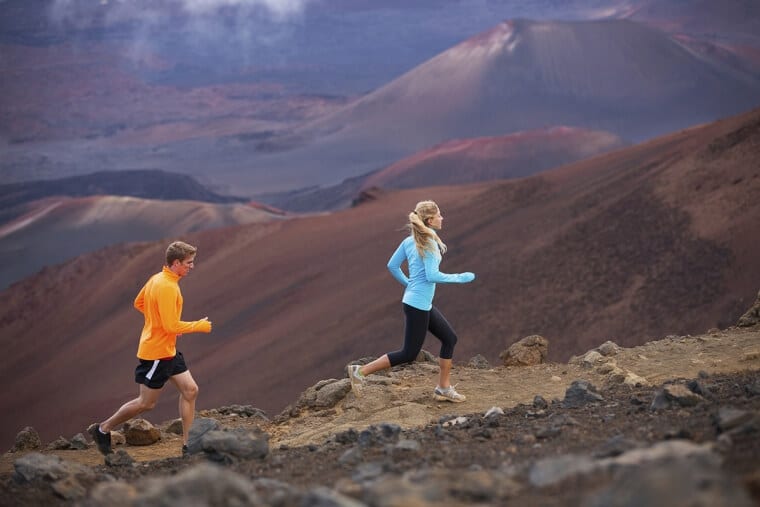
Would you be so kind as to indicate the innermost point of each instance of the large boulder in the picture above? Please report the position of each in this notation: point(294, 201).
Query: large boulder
point(752, 317)
point(529, 351)
point(67, 480)
point(233, 445)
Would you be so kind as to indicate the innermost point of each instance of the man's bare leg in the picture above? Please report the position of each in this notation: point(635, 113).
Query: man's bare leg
point(188, 393)
point(145, 401)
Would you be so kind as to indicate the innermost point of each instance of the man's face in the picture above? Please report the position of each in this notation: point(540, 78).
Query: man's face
point(183, 268)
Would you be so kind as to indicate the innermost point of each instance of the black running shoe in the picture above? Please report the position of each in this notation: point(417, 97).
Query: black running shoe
point(185, 451)
point(103, 440)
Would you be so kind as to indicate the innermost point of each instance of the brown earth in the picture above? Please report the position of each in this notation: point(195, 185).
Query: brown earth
point(648, 241)
point(304, 450)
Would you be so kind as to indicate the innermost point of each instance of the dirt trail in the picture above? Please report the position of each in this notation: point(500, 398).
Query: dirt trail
point(404, 396)
point(408, 401)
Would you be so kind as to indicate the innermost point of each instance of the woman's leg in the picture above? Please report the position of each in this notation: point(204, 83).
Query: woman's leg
point(444, 376)
point(415, 329)
point(441, 329)
point(378, 364)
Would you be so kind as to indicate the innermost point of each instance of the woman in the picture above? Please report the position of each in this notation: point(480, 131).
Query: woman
point(422, 251)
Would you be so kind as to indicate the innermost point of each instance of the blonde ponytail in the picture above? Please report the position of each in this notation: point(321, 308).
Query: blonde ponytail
point(419, 229)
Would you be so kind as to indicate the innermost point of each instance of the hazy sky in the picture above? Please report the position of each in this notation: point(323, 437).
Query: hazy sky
point(312, 46)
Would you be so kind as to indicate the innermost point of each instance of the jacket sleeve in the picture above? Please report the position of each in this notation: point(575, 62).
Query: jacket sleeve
point(433, 275)
point(394, 265)
point(170, 317)
point(140, 301)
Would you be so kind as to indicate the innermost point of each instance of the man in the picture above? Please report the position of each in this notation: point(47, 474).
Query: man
point(160, 301)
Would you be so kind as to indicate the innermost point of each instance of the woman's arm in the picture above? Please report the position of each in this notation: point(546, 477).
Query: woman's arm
point(394, 265)
point(433, 275)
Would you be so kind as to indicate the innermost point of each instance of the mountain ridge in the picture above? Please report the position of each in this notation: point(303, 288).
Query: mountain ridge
point(624, 246)
point(458, 161)
point(520, 75)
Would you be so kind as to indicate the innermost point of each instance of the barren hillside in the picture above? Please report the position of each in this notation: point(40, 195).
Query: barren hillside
point(672, 422)
point(651, 240)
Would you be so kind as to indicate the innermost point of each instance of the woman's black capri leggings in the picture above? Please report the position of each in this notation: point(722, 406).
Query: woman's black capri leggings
point(418, 323)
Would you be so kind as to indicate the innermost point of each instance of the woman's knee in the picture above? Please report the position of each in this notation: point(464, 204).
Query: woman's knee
point(402, 357)
point(447, 347)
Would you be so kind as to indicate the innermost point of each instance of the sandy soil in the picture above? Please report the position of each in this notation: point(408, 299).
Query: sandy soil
point(404, 396)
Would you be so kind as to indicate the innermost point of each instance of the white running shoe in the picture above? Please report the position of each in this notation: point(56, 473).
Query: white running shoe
point(357, 379)
point(448, 394)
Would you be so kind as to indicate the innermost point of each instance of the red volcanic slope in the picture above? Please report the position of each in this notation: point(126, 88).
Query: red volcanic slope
point(459, 161)
point(728, 20)
point(655, 239)
point(490, 158)
point(614, 75)
point(727, 31)
point(57, 229)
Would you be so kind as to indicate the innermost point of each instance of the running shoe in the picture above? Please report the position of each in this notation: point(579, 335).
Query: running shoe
point(357, 379)
point(448, 394)
point(102, 440)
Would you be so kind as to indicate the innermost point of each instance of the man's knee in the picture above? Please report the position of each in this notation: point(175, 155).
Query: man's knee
point(190, 392)
point(145, 405)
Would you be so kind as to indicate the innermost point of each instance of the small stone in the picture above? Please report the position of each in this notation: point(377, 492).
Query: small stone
point(27, 440)
point(729, 418)
point(79, 443)
point(478, 362)
point(174, 427)
point(141, 432)
point(494, 411)
point(682, 395)
point(59, 444)
point(119, 458)
point(529, 351)
point(609, 348)
point(633, 380)
point(579, 394)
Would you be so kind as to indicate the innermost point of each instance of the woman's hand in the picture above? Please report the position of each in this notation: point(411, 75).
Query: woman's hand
point(466, 277)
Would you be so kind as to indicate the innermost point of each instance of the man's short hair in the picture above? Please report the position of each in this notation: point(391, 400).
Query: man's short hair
point(179, 250)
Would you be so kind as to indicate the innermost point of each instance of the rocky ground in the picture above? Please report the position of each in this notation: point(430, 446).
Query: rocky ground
point(673, 422)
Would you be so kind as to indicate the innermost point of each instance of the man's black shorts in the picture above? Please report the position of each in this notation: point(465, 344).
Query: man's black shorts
point(155, 372)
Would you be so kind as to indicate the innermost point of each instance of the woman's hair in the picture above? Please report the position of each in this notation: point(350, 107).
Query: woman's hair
point(420, 230)
point(179, 250)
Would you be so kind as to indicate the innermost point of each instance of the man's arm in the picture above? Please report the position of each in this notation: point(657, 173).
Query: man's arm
point(140, 300)
point(170, 317)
